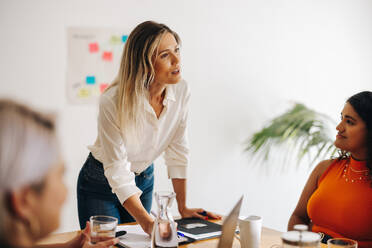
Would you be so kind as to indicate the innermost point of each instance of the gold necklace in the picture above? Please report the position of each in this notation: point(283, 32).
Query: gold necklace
point(352, 175)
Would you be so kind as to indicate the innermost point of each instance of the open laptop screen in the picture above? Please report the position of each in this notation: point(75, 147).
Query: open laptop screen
point(229, 226)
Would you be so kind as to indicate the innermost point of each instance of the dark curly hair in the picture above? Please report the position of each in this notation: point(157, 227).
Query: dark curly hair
point(362, 104)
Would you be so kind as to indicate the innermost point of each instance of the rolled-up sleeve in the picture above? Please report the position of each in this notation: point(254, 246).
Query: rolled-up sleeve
point(115, 158)
point(176, 156)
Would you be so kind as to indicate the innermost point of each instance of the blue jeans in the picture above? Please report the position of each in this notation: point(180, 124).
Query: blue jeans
point(94, 195)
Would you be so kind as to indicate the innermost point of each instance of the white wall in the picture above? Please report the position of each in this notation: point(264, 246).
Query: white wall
point(245, 62)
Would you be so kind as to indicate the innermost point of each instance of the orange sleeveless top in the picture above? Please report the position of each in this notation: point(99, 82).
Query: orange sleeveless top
point(341, 206)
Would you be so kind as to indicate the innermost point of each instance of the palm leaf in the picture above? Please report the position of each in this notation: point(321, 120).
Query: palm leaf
point(301, 126)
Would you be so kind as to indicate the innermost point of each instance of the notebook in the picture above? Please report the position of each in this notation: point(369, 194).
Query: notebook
point(198, 229)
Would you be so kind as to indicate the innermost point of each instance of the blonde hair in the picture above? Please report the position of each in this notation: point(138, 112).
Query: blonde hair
point(136, 74)
point(28, 148)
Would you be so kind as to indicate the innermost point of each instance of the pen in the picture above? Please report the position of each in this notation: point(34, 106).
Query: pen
point(204, 213)
point(120, 233)
point(180, 234)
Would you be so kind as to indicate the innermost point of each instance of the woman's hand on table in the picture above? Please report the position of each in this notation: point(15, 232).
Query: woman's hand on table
point(147, 226)
point(199, 213)
point(135, 208)
point(83, 240)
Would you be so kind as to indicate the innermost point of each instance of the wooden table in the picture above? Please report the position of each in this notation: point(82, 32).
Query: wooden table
point(269, 237)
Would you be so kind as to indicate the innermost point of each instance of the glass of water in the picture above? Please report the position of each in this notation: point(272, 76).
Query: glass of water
point(102, 228)
point(342, 243)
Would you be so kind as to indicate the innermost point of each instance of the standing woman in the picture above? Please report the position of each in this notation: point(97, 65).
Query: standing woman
point(337, 198)
point(141, 115)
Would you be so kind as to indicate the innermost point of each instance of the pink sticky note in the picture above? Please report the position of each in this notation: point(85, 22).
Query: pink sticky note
point(107, 56)
point(93, 47)
point(102, 87)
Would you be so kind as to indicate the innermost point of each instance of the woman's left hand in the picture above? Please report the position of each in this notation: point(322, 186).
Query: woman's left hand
point(83, 240)
point(199, 213)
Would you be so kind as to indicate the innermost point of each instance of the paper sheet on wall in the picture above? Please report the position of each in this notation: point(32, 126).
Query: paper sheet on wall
point(93, 61)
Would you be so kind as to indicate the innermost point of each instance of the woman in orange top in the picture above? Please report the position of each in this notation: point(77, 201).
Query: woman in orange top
point(337, 198)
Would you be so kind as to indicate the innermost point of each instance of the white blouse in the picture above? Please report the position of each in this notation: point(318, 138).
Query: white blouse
point(167, 134)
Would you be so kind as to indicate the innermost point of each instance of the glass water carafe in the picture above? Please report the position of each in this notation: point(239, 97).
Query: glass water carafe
point(165, 228)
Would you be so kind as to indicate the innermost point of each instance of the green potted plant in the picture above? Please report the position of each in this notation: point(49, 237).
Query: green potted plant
point(299, 131)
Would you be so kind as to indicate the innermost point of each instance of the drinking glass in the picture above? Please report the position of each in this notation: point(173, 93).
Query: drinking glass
point(342, 243)
point(102, 228)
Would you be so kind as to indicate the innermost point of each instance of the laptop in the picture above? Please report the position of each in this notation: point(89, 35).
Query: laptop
point(229, 226)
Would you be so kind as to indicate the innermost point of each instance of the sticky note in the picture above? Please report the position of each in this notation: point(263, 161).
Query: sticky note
point(93, 47)
point(90, 80)
point(96, 91)
point(124, 38)
point(84, 93)
point(115, 40)
point(107, 56)
point(102, 87)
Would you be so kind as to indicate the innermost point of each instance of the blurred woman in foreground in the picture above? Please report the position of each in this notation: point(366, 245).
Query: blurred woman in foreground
point(31, 179)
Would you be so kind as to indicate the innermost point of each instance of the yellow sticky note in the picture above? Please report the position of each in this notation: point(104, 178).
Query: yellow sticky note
point(84, 93)
point(115, 40)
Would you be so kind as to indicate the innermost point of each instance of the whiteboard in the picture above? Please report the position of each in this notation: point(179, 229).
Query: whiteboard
point(93, 61)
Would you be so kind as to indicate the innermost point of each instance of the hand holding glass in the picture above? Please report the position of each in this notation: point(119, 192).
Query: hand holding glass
point(102, 228)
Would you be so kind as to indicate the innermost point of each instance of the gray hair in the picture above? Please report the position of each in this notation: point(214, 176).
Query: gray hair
point(28, 149)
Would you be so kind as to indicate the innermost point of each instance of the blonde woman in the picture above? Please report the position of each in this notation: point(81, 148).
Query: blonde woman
point(32, 191)
point(142, 115)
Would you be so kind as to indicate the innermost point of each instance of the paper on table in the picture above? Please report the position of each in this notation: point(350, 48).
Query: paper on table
point(134, 238)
